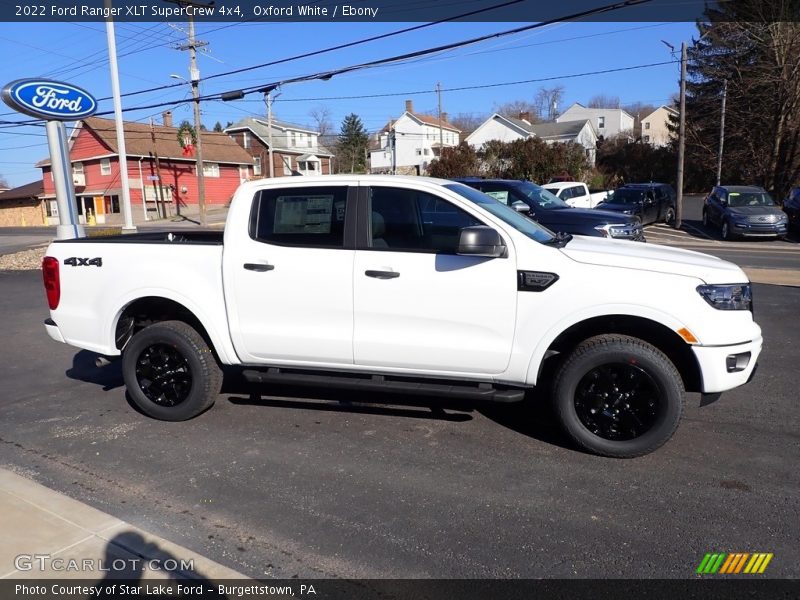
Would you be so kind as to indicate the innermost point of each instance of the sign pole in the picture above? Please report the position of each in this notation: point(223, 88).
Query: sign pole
point(68, 227)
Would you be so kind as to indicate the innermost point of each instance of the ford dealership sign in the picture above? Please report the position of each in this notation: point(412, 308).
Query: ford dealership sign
point(49, 100)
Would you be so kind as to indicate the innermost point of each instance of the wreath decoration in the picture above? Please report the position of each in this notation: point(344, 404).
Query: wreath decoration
point(187, 138)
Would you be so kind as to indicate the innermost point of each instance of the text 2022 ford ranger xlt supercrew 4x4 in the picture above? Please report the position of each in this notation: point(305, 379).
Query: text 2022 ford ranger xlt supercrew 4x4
point(414, 285)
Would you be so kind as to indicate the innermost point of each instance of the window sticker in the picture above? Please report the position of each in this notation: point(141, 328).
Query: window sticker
point(303, 214)
point(501, 195)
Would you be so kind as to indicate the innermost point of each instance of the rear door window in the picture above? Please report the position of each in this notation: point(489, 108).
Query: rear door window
point(307, 216)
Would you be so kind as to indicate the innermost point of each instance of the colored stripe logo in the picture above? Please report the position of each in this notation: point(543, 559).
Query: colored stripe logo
point(734, 563)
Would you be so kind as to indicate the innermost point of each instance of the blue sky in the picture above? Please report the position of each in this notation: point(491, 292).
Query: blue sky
point(77, 53)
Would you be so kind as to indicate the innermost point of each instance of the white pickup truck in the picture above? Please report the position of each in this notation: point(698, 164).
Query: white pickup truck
point(576, 193)
point(410, 285)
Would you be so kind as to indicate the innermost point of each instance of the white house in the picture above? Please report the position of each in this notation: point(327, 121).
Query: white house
point(508, 129)
point(608, 122)
point(654, 126)
point(408, 144)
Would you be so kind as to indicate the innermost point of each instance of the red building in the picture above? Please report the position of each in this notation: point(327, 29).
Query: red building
point(150, 150)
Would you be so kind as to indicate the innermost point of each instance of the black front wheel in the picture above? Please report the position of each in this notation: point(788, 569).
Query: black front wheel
point(618, 396)
point(170, 371)
point(669, 216)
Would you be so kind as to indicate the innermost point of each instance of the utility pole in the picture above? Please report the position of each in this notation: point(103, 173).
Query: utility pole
point(194, 76)
point(393, 143)
point(128, 227)
point(681, 140)
point(162, 211)
point(722, 131)
point(441, 135)
point(268, 100)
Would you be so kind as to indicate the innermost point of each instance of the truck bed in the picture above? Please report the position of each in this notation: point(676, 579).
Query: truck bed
point(155, 237)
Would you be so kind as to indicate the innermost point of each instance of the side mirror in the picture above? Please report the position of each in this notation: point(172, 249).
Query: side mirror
point(520, 207)
point(480, 241)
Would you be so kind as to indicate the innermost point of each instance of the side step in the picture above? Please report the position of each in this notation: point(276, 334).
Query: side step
point(380, 383)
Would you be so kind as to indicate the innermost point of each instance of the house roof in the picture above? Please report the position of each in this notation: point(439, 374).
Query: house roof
point(669, 109)
point(217, 147)
point(563, 129)
point(427, 119)
point(23, 192)
point(596, 110)
point(280, 140)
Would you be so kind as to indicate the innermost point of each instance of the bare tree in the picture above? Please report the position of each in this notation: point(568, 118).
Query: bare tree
point(638, 110)
point(603, 101)
point(515, 108)
point(547, 101)
point(467, 122)
point(3, 183)
point(323, 123)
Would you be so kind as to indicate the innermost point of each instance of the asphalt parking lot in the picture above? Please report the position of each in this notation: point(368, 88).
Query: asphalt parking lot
point(285, 482)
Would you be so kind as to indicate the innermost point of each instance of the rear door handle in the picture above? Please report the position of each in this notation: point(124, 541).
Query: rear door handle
point(259, 267)
point(382, 274)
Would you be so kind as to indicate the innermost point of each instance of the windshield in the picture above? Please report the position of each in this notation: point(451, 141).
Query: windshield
point(506, 214)
point(627, 196)
point(542, 197)
point(737, 199)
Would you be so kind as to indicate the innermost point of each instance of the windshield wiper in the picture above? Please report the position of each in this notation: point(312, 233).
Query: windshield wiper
point(560, 240)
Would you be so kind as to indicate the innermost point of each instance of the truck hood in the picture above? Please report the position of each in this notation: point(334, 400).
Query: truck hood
point(583, 216)
point(755, 210)
point(652, 257)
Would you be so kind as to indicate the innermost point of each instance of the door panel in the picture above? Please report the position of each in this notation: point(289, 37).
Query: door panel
point(289, 283)
point(438, 310)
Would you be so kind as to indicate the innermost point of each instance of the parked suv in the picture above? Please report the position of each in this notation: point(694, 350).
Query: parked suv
point(744, 210)
point(651, 202)
point(791, 206)
point(555, 214)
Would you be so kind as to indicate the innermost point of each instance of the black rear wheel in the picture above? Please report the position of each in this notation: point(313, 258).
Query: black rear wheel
point(618, 396)
point(170, 371)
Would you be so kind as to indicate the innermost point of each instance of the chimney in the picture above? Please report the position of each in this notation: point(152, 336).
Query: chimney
point(444, 117)
point(525, 116)
point(166, 118)
point(410, 106)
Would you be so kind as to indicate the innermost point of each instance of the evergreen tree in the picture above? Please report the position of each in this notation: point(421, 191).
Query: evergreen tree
point(351, 150)
point(218, 127)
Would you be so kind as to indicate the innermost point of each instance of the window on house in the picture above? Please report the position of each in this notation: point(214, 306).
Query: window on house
point(105, 166)
point(310, 141)
point(601, 122)
point(77, 168)
point(294, 139)
point(647, 125)
point(257, 165)
point(427, 151)
point(647, 139)
point(419, 151)
point(245, 140)
point(210, 169)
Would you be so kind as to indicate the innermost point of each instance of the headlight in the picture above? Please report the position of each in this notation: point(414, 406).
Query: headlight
point(735, 296)
point(619, 230)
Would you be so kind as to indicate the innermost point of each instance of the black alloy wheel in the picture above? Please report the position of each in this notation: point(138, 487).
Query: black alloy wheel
point(170, 371)
point(617, 401)
point(163, 375)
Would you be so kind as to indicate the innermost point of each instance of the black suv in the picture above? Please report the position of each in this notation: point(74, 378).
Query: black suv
point(744, 210)
point(791, 206)
point(651, 202)
point(555, 214)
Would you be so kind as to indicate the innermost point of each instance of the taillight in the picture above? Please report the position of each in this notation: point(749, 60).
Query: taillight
point(52, 281)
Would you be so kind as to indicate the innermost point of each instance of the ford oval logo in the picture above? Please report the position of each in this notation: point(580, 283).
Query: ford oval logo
point(50, 100)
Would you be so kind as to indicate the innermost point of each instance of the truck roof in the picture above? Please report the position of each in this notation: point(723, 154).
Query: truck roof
point(562, 184)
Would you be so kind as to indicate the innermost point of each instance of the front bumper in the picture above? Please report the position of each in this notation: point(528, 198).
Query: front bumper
point(757, 230)
point(726, 367)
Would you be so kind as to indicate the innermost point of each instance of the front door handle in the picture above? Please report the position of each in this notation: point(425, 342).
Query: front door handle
point(382, 274)
point(258, 267)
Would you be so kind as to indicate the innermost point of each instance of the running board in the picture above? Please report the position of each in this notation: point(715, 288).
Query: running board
point(380, 383)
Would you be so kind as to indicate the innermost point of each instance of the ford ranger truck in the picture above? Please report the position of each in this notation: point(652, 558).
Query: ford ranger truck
point(410, 285)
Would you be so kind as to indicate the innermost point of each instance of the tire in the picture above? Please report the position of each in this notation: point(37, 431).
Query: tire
point(726, 232)
point(669, 217)
point(170, 372)
point(646, 410)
